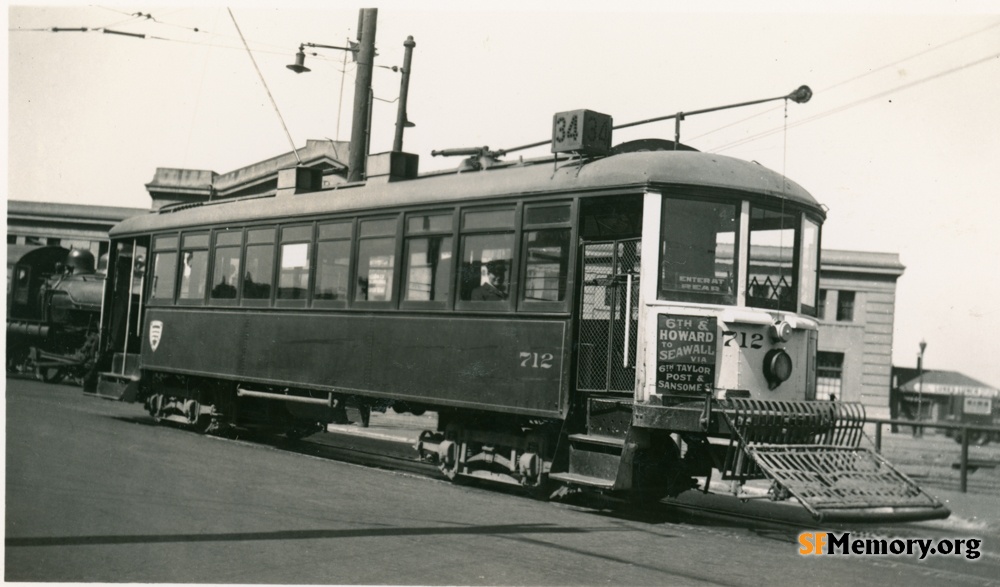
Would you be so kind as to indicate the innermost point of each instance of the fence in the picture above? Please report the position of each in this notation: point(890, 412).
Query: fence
point(963, 429)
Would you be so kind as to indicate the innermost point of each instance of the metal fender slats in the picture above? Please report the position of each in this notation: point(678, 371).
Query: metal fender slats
point(810, 450)
point(839, 478)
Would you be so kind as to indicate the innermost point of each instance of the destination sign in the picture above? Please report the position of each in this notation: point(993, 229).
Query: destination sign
point(685, 353)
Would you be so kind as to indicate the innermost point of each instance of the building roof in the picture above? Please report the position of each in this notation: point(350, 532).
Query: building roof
point(862, 262)
point(945, 383)
point(25, 210)
point(199, 184)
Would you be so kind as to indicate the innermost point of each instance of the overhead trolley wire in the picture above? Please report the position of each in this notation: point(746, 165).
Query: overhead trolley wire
point(267, 89)
point(849, 105)
point(859, 76)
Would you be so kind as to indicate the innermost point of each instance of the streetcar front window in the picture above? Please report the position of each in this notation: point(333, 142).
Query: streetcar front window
point(697, 263)
point(771, 281)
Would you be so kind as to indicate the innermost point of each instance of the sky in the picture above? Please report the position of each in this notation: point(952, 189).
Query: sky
point(901, 141)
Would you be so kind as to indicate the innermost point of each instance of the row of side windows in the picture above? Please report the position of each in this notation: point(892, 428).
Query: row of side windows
point(466, 259)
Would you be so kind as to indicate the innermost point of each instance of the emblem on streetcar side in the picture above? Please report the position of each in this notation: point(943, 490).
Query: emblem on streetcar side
point(155, 330)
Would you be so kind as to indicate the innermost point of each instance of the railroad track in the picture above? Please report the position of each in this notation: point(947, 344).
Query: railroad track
point(397, 454)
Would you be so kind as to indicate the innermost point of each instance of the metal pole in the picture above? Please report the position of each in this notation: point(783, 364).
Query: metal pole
point(362, 87)
point(964, 463)
point(920, 393)
point(878, 437)
point(128, 317)
point(340, 102)
point(404, 88)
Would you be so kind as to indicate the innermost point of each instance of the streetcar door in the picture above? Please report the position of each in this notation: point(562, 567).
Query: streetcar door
point(609, 316)
point(121, 319)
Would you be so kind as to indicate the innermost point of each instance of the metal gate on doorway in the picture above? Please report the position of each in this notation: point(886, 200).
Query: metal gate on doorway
point(609, 316)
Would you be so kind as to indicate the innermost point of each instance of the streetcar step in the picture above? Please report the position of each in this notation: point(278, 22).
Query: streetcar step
point(598, 440)
point(585, 480)
point(116, 387)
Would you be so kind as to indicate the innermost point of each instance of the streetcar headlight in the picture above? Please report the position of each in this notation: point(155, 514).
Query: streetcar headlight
point(781, 331)
point(777, 366)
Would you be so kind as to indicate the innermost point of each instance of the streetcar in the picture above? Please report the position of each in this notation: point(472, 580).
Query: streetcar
point(635, 319)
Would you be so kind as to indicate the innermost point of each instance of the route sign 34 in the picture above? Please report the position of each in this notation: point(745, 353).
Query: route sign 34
point(581, 131)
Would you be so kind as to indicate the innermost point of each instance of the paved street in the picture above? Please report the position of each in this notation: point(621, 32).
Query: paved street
point(96, 492)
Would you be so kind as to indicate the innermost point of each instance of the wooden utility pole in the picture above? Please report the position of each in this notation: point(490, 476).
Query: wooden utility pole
point(362, 89)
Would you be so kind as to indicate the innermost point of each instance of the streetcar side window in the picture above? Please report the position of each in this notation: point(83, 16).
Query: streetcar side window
point(697, 251)
point(771, 281)
point(428, 257)
point(258, 272)
point(546, 253)
point(293, 272)
point(194, 268)
point(161, 288)
point(226, 272)
point(333, 264)
point(376, 260)
point(487, 258)
point(810, 266)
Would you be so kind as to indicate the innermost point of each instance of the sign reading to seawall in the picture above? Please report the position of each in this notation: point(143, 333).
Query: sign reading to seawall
point(685, 353)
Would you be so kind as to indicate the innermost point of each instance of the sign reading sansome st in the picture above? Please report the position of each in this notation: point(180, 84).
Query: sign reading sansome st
point(685, 353)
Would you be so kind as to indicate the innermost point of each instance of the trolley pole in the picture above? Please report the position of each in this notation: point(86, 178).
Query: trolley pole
point(362, 88)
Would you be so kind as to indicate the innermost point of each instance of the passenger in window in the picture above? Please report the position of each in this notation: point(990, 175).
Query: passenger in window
point(493, 286)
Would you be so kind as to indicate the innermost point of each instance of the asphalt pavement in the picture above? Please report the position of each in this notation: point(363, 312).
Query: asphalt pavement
point(971, 511)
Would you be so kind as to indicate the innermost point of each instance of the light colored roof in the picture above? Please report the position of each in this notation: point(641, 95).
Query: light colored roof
point(627, 171)
point(25, 210)
point(948, 383)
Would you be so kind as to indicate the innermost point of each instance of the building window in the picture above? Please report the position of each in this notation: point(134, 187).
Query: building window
point(845, 306)
point(829, 375)
point(821, 305)
point(11, 239)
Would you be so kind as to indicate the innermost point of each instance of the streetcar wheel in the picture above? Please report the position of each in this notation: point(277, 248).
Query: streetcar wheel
point(153, 406)
point(544, 491)
point(203, 424)
point(299, 432)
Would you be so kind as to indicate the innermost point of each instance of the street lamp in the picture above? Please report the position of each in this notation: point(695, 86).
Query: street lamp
point(300, 57)
point(920, 386)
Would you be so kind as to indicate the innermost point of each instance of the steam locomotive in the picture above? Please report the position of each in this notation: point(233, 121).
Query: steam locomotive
point(53, 314)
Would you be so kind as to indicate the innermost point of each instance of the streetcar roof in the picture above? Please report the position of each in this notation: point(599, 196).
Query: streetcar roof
point(627, 171)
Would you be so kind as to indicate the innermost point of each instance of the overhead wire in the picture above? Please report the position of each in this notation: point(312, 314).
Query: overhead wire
point(858, 102)
point(267, 89)
point(859, 76)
